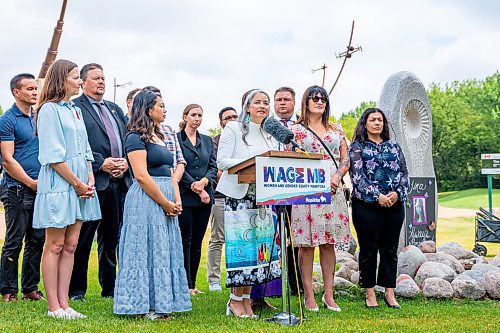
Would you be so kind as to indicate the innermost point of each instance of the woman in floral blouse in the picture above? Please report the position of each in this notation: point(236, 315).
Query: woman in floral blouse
point(323, 226)
point(380, 181)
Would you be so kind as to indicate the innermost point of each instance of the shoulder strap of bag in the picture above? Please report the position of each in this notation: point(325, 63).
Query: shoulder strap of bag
point(326, 148)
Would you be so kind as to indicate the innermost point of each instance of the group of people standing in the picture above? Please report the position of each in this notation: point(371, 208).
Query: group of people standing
point(77, 166)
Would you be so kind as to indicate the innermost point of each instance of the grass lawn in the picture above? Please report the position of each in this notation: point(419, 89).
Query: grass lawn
point(461, 230)
point(208, 314)
point(419, 315)
point(471, 199)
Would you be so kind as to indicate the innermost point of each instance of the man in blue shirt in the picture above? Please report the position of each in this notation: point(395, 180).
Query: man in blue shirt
point(19, 148)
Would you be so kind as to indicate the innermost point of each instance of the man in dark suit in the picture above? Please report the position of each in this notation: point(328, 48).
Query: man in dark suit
point(106, 128)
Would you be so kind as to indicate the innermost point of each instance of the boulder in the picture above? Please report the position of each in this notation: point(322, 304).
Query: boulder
point(495, 261)
point(467, 288)
point(427, 247)
point(446, 259)
point(355, 277)
point(472, 261)
point(466, 263)
point(341, 283)
point(344, 272)
point(437, 288)
point(474, 275)
point(409, 260)
point(431, 269)
point(485, 268)
point(406, 287)
point(492, 284)
point(456, 250)
point(341, 255)
point(353, 265)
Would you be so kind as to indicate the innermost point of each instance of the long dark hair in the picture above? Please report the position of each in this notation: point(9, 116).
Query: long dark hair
point(140, 120)
point(360, 132)
point(305, 113)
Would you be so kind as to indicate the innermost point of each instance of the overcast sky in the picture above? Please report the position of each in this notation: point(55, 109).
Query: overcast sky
point(211, 52)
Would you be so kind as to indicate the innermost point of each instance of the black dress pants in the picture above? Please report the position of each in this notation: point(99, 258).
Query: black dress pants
point(378, 229)
point(193, 223)
point(108, 229)
point(19, 203)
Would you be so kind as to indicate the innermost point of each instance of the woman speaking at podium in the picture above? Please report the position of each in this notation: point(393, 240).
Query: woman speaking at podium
point(249, 230)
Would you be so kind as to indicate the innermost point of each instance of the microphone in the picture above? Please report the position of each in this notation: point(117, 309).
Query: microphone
point(279, 132)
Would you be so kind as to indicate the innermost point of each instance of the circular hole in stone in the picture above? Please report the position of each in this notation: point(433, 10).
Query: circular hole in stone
point(413, 122)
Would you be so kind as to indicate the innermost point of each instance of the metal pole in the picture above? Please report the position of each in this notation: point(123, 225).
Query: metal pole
point(284, 262)
point(490, 193)
point(54, 43)
point(114, 90)
point(285, 317)
point(324, 75)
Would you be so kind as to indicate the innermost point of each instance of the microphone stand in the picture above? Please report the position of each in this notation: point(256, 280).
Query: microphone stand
point(286, 317)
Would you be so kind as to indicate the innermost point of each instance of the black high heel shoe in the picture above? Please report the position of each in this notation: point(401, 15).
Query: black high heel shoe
point(397, 306)
point(370, 306)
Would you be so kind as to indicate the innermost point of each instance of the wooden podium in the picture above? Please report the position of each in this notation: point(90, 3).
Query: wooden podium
point(246, 172)
point(246, 169)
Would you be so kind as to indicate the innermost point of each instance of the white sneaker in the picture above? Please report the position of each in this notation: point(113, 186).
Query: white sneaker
point(59, 314)
point(215, 286)
point(75, 314)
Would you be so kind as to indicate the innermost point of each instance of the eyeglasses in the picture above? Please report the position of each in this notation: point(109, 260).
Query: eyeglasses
point(234, 117)
point(316, 99)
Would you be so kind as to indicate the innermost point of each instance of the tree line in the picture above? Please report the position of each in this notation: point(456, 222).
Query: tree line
point(466, 124)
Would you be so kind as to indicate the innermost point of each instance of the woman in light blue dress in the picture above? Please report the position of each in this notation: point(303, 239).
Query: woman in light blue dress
point(151, 278)
point(65, 195)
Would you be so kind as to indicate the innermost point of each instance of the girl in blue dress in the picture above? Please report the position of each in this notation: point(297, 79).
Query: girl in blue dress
point(151, 278)
point(65, 194)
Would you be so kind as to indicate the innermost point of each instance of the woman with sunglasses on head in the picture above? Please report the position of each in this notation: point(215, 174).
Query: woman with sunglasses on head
point(151, 279)
point(250, 232)
point(380, 183)
point(196, 188)
point(325, 226)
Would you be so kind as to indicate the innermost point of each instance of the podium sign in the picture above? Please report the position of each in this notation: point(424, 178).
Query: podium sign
point(287, 181)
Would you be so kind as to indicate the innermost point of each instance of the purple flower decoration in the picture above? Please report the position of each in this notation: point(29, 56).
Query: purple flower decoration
point(394, 165)
point(371, 164)
point(358, 164)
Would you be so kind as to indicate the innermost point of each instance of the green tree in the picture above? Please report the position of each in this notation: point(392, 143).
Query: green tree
point(350, 119)
point(1, 110)
point(214, 131)
point(466, 121)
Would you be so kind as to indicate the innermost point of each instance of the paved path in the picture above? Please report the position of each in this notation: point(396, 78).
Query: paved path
point(446, 212)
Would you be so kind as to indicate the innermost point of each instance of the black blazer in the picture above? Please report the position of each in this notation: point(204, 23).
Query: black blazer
point(99, 140)
point(200, 163)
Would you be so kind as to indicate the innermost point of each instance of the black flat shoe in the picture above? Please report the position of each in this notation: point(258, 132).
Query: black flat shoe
point(370, 306)
point(397, 306)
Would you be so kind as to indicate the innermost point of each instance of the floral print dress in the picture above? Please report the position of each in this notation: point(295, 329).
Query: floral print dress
point(314, 225)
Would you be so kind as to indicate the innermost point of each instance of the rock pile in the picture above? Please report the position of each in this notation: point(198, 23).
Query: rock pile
point(452, 271)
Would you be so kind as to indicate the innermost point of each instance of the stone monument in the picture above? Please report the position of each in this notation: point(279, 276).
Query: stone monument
point(406, 105)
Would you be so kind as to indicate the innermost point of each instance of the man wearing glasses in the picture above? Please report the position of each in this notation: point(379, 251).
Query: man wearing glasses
point(226, 115)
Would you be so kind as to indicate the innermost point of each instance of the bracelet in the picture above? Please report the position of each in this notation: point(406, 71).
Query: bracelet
point(206, 181)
